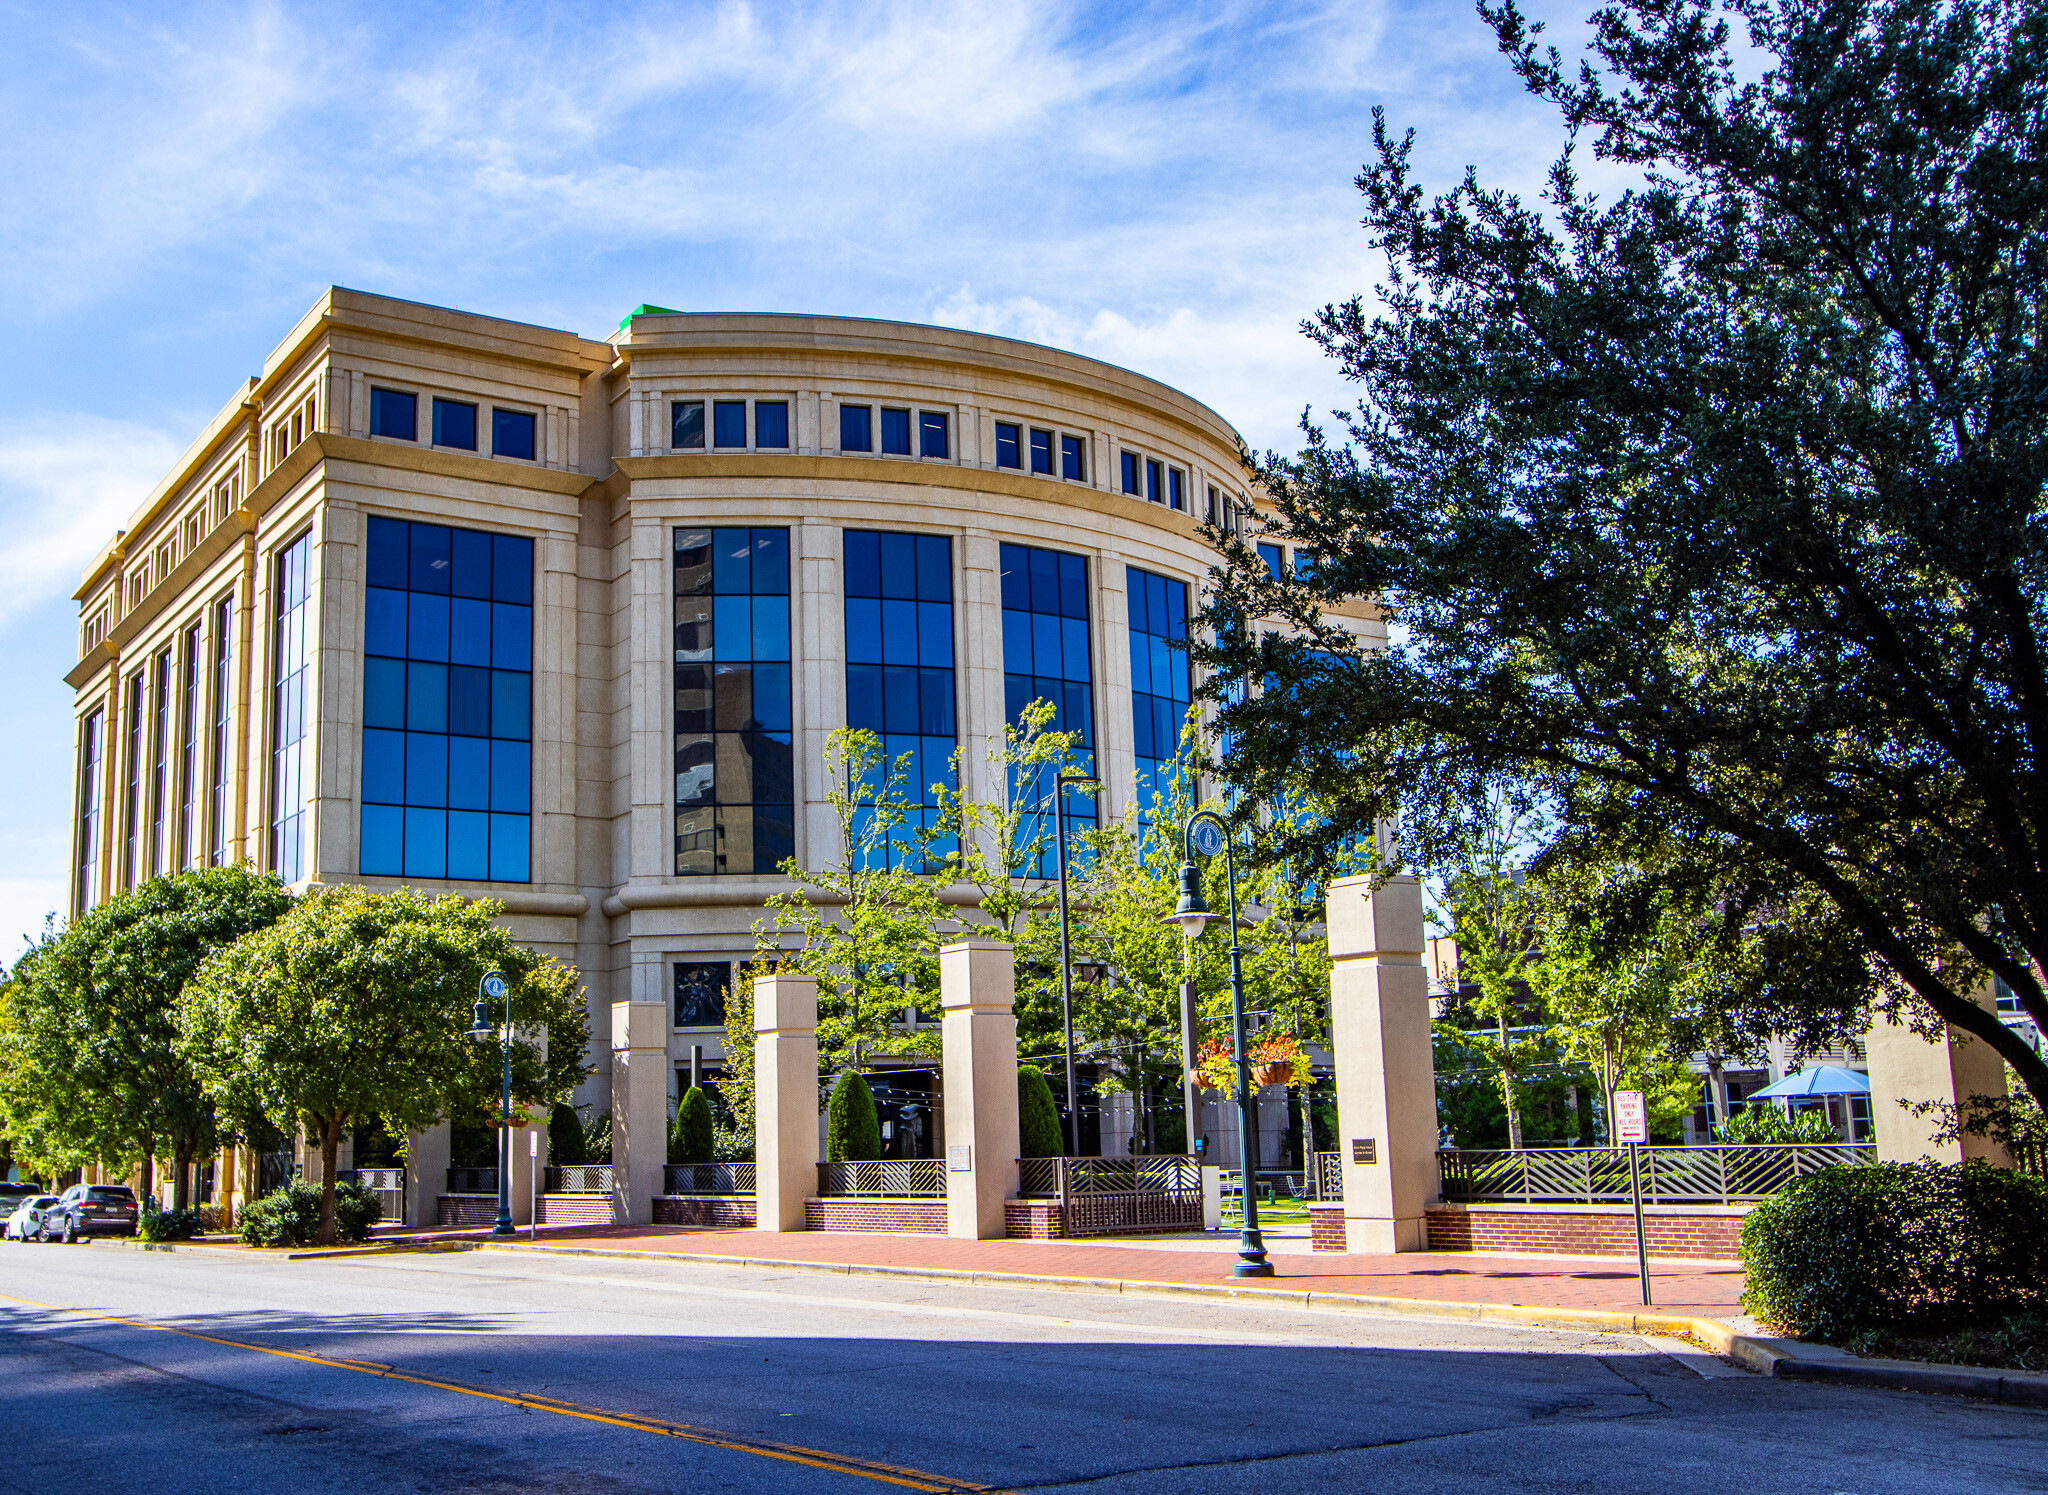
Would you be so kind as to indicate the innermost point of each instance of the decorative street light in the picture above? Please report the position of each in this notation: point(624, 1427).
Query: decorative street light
point(1208, 833)
point(492, 989)
point(1065, 782)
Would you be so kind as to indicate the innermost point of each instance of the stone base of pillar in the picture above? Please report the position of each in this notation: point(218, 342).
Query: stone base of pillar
point(977, 990)
point(639, 1108)
point(786, 1121)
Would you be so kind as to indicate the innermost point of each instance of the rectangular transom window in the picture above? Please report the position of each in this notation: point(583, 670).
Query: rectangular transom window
point(447, 704)
point(771, 423)
point(934, 434)
point(512, 434)
point(1046, 658)
point(856, 428)
point(1130, 474)
point(1159, 676)
point(1008, 452)
point(686, 425)
point(1041, 451)
point(1073, 464)
point(395, 414)
point(735, 776)
point(899, 663)
point(455, 424)
point(895, 432)
point(729, 423)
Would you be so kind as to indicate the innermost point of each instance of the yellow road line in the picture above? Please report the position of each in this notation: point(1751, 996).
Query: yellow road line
point(888, 1474)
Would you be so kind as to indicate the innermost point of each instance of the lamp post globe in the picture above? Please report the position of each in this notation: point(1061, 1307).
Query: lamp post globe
point(492, 988)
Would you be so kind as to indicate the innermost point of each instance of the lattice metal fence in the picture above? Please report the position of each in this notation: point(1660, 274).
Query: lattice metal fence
point(1671, 1175)
point(1041, 1178)
point(899, 1177)
point(1329, 1176)
point(583, 1178)
point(472, 1180)
point(708, 1178)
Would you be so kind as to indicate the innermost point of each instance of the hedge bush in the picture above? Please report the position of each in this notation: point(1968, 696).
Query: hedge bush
point(853, 1128)
point(1038, 1118)
point(1846, 1251)
point(290, 1216)
point(689, 1138)
point(565, 1137)
point(155, 1223)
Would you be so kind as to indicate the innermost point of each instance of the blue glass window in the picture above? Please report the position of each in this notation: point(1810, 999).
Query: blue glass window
point(686, 425)
point(1176, 488)
point(1008, 445)
point(771, 423)
point(394, 414)
point(291, 755)
point(895, 432)
point(899, 662)
point(856, 428)
point(1131, 474)
point(447, 704)
point(933, 435)
point(1041, 451)
point(1046, 658)
point(735, 773)
point(729, 423)
point(1271, 555)
point(455, 424)
point(1072, 466)
point(512, 433)
point(1153, 471)
point(1159, 676)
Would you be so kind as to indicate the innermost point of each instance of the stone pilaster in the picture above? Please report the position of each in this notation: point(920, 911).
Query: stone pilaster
point(785, 1099)
point(977, 991)
point(639, 1108)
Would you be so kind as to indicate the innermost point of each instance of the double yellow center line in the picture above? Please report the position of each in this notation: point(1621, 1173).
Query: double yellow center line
point(791, 1453)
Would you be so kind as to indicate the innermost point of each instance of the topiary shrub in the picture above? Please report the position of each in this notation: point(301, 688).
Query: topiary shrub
point(689, 1137)
point(1846, 1251)
point(1038, 1118)
point(155, 1223)
point(290, 1216)
point(565, 1137)
point(853, 1128)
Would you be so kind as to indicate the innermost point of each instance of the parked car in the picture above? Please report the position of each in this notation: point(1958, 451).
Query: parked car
point(27, 1217)
point(89, 1210)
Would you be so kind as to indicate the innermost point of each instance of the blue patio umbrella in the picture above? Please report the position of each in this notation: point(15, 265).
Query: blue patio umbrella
point(1820, 1079)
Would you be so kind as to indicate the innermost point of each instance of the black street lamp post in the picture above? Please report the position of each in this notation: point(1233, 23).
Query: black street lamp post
point(1061, 785)
point(1208, 833)
point(491, 989)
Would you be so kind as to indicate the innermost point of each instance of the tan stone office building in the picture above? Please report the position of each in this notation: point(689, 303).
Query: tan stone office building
point(466, 604)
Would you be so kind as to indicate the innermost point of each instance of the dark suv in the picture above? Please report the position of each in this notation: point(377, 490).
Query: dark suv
point(89, 1210)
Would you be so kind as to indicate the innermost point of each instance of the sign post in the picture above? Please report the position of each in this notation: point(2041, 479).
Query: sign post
point(1632, 1129)
point(533, 1183)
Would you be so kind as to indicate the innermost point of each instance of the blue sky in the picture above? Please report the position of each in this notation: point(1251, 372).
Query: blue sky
point(1167, 187)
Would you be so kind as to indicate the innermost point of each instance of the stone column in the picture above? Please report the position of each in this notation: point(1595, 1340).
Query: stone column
point(639, 1108)
point(1906, 1068)
point(977, 990)
point(1386, 1071)
point(426, 1173)
point(785, 1099)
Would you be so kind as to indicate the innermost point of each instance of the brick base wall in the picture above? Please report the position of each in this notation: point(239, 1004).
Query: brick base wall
point(466, 1211)
point(574, 1209)
point(893, 1216)
point(726, 1212)
point(1326, 1227)
point(1102, 1214)
point(1031, 1219)
point(1540, 1232)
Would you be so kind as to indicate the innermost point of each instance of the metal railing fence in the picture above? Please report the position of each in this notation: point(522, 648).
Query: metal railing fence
point(900, 1177)
point(580, 1178)
point(388, 1184)
point(1157, 1173)
point(707, 1178)
point(1671, 1175)
point(1329, 1176)
point(472, 1180)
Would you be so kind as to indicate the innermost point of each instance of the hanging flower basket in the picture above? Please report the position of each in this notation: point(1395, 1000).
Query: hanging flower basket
point(1279, 1072)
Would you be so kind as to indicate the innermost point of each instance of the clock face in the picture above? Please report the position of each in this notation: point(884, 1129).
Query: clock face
point(1207, 837)
point(494, 986)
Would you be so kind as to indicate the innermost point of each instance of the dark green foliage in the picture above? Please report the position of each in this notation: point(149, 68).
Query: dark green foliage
point(290, 1216)
point(853, 1128)
point(157, 1224)
point(1849, 1250)
point(1712, 513)
point(471, 1144)
point(1038, 1119)
point(565, 1136)
point(689, 1138)
point(597, 1139)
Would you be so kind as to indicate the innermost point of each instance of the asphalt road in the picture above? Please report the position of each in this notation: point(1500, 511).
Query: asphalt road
point(518, 1373)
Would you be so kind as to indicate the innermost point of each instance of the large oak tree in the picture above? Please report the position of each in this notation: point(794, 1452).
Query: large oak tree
point(1714, 511)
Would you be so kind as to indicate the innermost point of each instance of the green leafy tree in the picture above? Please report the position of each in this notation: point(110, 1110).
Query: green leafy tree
point(853, 1127)
point(993, 844)
point(1712, 508)
point(689, 1139)
point(90, 1069)
point(565, 1136)
point(358, 1004)
point(1038, 1118)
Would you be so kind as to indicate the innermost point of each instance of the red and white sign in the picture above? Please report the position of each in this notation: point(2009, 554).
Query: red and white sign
point(1631, 1117)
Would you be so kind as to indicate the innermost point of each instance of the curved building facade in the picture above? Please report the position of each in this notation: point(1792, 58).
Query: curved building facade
point(459, 603)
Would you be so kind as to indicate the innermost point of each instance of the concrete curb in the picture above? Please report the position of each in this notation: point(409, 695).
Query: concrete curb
point(269, 1253)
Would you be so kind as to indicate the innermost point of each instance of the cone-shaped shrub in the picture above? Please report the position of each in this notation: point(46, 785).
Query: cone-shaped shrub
point(853, 1131)
point(689, 1140)
point(565, 1137)
point(1038, 1119)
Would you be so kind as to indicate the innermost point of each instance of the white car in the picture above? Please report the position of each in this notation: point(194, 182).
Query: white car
point(27, 1218)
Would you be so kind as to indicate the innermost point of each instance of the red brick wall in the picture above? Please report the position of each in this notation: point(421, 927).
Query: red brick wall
point(1705, 1237)
point(895, 1216)
point(574, 1209)
point(1326, 1227)
point(1044, 1220)
point(466, 1211)
point(728, 1213)
point(1031, 1219)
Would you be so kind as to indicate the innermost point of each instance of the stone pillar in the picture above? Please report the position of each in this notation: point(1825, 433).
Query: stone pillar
point(1907, 1069)
point(426, 1174)
point(639, 1108)
point(786, 1125)
point(977, 990)
point(1386, 1071)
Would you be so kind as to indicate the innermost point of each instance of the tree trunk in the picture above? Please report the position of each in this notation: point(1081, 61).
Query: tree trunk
point(1507, 1089)
point(146, 1174)
point(330, 1147)
point(181, 1172)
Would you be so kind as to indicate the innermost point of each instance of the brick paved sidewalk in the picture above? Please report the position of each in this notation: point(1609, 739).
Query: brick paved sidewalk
point(1455, 1277)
